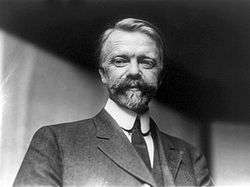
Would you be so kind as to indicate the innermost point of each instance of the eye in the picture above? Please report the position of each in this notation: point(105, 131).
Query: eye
point(120, 61)
point(147, 63)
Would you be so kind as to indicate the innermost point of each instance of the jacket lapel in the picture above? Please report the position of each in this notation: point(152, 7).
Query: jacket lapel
point(170, 157)
point(114, 143)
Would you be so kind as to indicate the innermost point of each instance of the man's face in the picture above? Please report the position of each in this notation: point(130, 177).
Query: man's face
point(130, 69)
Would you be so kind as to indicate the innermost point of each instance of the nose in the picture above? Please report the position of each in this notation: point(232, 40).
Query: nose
point(134, 67)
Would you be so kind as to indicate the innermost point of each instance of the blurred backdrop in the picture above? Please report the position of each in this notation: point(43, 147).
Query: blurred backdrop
point(49, 75)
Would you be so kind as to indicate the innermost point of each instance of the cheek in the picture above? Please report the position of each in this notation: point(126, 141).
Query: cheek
point(113, 74)
point(152, 76)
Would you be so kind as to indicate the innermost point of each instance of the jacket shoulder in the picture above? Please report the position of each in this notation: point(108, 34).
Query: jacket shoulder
point(68, 129)
point(176, 142)
point(181, 146)
point(192, 158)
point(71, 125)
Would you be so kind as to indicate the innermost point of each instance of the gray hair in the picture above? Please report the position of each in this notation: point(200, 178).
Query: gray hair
point(133, 25)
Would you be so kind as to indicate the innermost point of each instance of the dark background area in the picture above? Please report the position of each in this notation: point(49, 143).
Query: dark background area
point(208, 44)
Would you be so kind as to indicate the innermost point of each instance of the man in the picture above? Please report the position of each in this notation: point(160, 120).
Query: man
point(120, 146)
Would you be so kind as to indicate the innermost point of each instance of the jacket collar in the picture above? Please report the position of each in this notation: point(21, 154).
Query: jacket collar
point(114, 143)
point(170, 156)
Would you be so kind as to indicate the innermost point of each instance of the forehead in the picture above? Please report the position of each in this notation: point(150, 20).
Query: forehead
point(124, 40)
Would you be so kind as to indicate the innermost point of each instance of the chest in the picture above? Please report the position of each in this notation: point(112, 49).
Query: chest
point(91, 167)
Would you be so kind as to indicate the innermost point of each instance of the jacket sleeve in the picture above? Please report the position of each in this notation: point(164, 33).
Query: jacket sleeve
point(42, 164)
point(201, 170)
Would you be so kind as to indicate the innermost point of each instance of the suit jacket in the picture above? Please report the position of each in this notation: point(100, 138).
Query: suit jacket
point(95, 152)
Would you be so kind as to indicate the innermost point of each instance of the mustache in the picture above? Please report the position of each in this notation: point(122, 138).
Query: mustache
point(133, 82)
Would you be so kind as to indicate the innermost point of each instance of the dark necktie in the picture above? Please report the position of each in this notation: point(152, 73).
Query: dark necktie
point(139, 143)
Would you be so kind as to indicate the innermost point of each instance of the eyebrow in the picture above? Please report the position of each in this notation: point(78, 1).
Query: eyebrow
point(122, 56)
point(148, 57)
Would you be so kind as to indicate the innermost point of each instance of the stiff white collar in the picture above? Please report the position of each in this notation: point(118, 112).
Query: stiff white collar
point(125, 117)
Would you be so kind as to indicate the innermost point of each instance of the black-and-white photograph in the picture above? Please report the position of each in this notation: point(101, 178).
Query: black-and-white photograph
point(113, 93)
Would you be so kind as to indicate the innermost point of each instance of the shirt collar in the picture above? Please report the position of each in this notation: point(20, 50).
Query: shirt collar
point(125, 117)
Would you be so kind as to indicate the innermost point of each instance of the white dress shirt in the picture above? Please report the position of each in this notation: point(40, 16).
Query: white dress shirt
point(125, 118)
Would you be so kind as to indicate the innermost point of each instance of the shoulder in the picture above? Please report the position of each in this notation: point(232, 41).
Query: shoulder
point(192, 158)
point(71, 132)
point(69, 129)
point(189, 151)
point(176, 143)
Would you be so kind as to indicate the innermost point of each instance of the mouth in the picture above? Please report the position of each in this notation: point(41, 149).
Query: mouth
point(134, 89)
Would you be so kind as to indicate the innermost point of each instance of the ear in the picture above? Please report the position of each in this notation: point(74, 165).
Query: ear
point(102, 74)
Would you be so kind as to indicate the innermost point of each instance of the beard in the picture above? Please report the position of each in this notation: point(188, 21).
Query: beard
point(132, 92)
